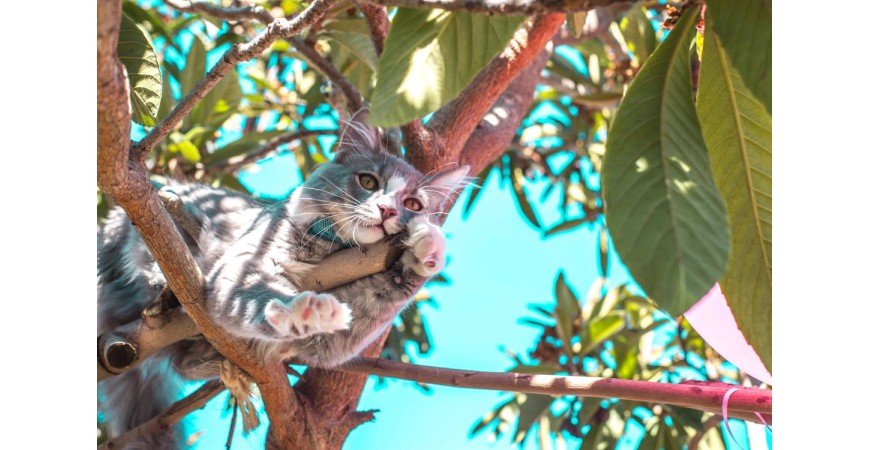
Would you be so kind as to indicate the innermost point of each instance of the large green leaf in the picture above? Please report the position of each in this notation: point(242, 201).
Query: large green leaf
point(143, 72)
point(429, 56)
point(665, 216)
point(745, 28)
point(358, 44)
point(737, 129)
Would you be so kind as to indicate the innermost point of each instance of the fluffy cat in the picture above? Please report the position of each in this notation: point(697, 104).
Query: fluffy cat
point(254, 255)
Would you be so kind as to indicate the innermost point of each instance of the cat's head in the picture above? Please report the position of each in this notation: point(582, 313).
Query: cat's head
point(368, 193)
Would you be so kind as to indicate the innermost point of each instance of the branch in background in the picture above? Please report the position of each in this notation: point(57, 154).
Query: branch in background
point(164, 422)
point(378, 22)
point(354, 99)
point(456, 120)
point(236, 162)
point(250, 12)
point(743, 403)
point(277, 29)
point(499, 126)
point(508, 7)
point(711, 422)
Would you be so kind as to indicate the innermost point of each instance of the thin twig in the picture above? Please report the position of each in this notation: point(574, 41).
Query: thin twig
point(258, 153)
point(277, 29)
point(507, 7)
point(378, 22)
point(354, 98)
point(249, 12)
point(164, 422)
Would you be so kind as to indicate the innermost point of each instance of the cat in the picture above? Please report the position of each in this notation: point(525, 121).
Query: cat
point(253, 255)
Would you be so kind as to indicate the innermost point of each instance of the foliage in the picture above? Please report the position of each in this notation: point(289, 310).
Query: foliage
point(682, 185)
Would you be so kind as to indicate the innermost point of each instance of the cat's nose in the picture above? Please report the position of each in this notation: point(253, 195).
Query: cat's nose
point(386, 212)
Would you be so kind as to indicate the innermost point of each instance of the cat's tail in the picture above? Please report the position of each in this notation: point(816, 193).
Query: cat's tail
point(138, 395)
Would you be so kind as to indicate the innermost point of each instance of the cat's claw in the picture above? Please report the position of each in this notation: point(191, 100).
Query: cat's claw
point(426, 245)
point(307, 313)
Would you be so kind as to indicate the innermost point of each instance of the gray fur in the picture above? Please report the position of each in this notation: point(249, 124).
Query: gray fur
point(254, 253)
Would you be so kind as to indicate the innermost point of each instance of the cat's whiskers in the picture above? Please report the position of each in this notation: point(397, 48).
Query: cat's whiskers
point(349, 198)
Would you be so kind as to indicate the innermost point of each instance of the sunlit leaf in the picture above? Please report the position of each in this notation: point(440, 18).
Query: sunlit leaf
point(664, 213)
point(738, 130)
point(358, 44)
point(136, 52)
point(603, 253)
point(745, 28)
point(602, 328)
point(428, 59)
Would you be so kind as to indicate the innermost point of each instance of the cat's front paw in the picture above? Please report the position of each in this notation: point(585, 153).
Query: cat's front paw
point(425, 254)
point(307, 313)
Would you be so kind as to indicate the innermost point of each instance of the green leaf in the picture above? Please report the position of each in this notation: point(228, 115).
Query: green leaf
point(358, 44)
point(429, 56)
point(489, 417)
point(194, 67)
point(167, 102)
point(738, 130)
point(567, 308)
point(576, 21)
point(602, 328)
point(638, 32)
point(745, 28)
point(220, 103)
point(665, 216)
point(625, 352)
point(181, 144)
point(567, 225)
point(532, 407)
point(521, 195)
point(143, 72)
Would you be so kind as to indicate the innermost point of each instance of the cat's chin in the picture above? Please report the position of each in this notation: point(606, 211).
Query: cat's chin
point(368, 235)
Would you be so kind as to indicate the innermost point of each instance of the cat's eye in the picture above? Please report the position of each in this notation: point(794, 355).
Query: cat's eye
point(413, 204)
point(368, 182)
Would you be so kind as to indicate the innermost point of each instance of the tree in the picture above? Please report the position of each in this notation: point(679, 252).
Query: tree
point(654, 155)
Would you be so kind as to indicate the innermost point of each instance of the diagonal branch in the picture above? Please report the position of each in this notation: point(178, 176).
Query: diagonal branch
point(277, 29)
point(499, 126)
point(243, 12)
point(456, 120)
point(354, 98)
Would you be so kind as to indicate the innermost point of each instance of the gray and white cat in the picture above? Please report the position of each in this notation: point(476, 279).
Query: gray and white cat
point(254, 256)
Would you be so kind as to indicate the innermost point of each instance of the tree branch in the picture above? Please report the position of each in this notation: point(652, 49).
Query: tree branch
point(250, 12)
point(278, 28)
point(354, 98)
point(236, 162)
point(378, 22)
point(703, 396)
point(126, 346)
point(164, 422)
point(506, 7)
point(456, 120)
point(499, 126)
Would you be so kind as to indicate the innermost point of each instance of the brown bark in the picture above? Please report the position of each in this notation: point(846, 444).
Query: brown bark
point(506, 7)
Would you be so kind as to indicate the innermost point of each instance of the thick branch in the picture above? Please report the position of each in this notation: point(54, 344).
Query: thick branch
point(124, 347)
point(164, 422)
point(277, 29)
point(708, 397)
point(505, 7)
point(457, 120)
point(499, 126)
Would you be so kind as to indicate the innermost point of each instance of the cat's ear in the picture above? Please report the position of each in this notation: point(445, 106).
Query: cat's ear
point(447, 183)
point(358, 137)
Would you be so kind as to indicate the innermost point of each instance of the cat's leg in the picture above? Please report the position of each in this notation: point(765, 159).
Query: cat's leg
point(425, 254)
point(306, 314)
